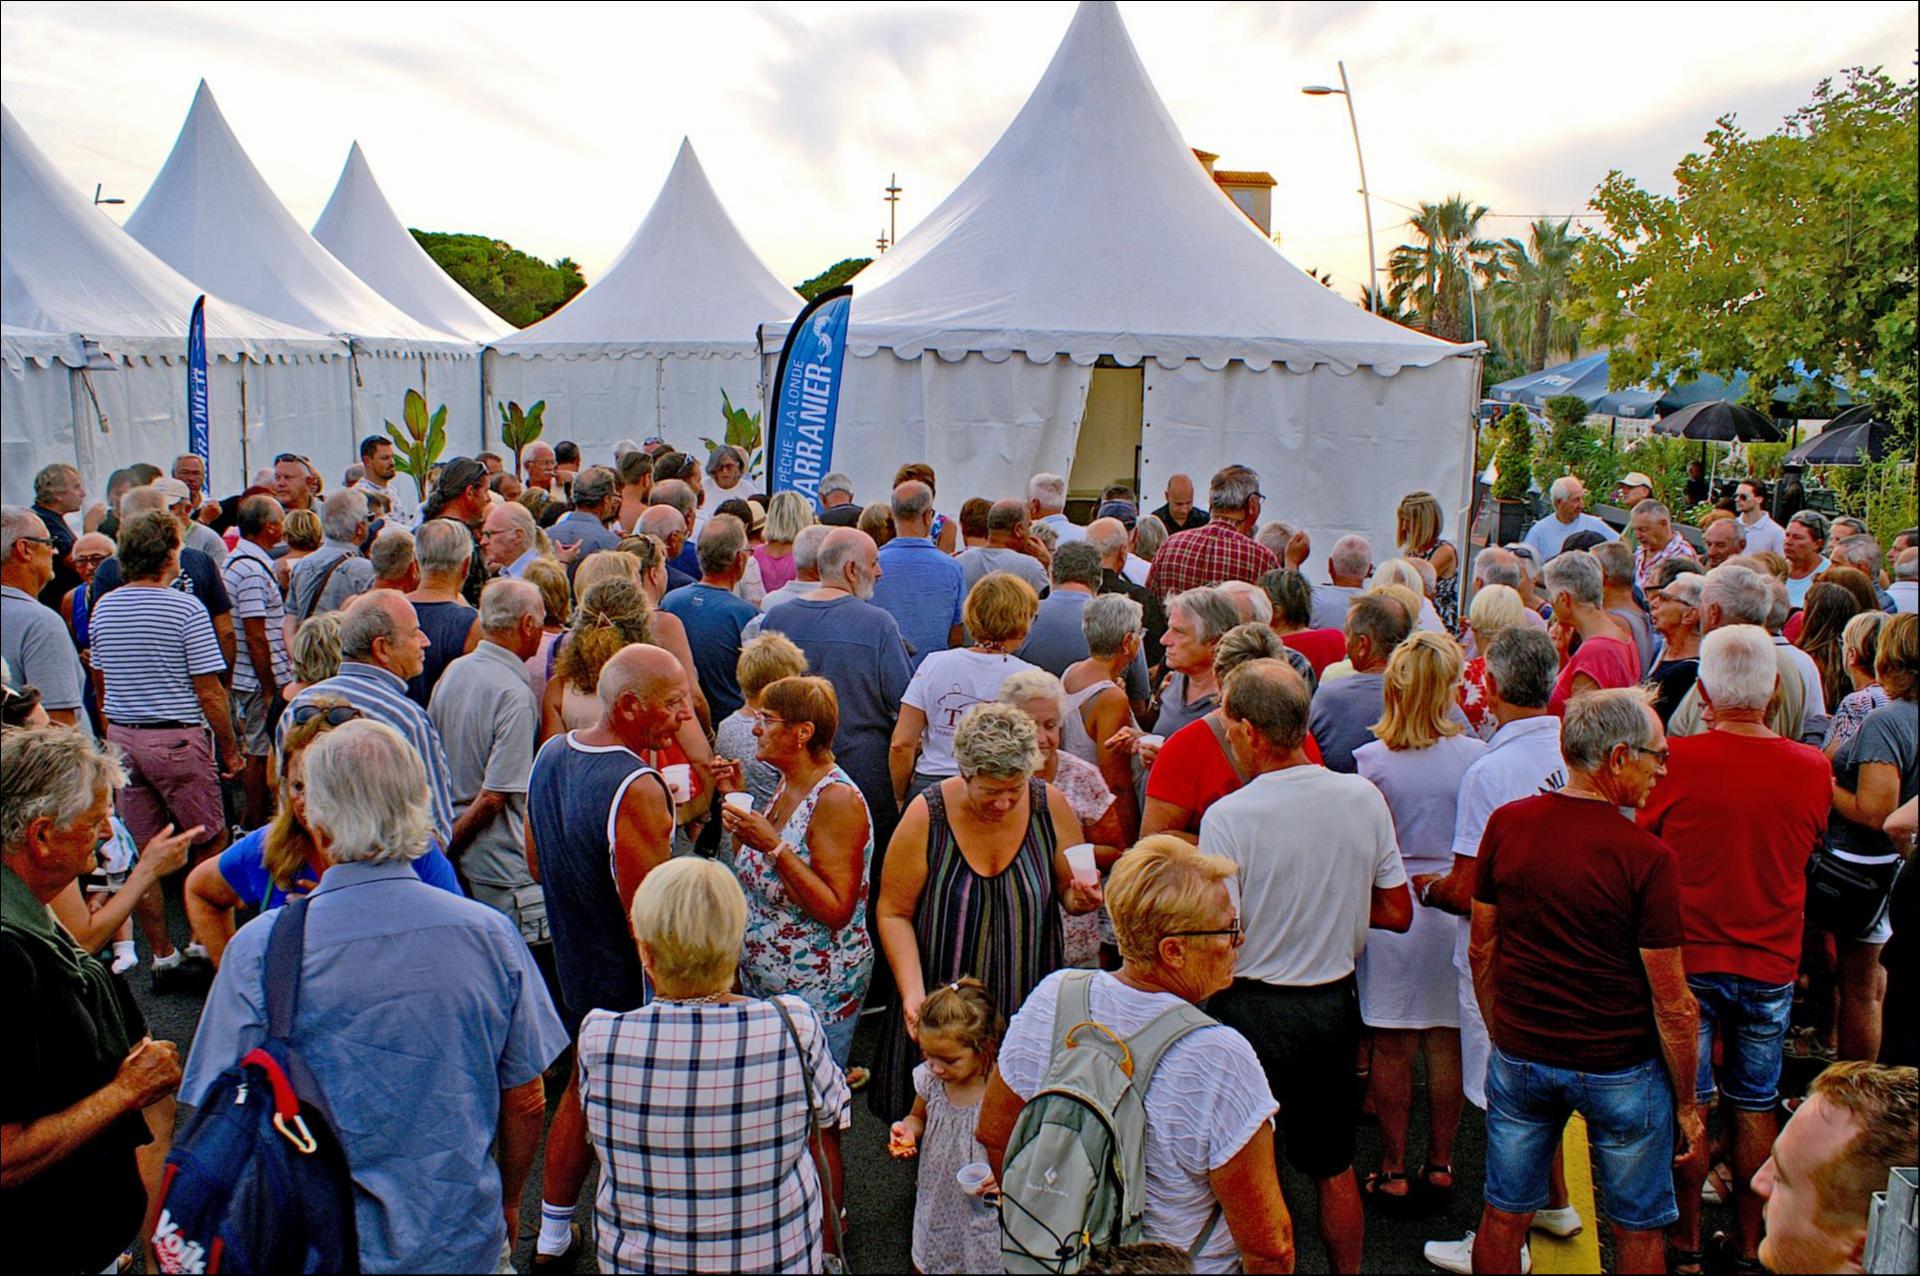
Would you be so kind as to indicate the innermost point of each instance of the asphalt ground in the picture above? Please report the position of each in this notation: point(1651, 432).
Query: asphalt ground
point(881, 1190)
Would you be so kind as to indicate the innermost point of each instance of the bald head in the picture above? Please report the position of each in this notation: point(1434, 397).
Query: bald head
point(666, 522)
point(847, 560)
point(641, 670)
point(1005, 521)
point(1109, 537)
point(913, 509)
point(93, 543)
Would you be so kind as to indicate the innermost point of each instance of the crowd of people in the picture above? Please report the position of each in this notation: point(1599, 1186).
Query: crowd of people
point(628, 780)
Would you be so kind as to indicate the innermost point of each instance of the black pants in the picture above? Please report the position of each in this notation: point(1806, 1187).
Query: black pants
point(1305, 1038)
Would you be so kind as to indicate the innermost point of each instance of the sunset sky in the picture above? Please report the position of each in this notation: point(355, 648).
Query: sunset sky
point(552, 126)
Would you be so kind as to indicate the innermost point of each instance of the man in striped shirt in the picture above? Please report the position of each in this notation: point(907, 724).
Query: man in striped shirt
point(261, 666)
point(157, 669)
point(381, 646)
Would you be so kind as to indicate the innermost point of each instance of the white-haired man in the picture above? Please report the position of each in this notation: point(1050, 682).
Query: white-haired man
point(1047, 507)
point(806, 569)
point(1724, 538)
point(1741, 808)
point(596, 501)
point(1734, 594)
point(81, 1068)
point(921, 587)
point(1658, 542)
point(1569, 497)
point(381, 646)
point(1905, 590)
point(1348, 566)
point(510, 540)
point(484, 708)
point(384, 953)
point(34, 641)
point(857, 647)
point(336, 572)
point(1602, 660)
point(837, 506)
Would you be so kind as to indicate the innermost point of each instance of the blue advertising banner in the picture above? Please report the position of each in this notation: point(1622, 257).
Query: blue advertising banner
point(198, 441)
point(806, 395)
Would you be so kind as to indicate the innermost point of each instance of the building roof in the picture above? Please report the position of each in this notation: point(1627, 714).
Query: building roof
point(1243, 177)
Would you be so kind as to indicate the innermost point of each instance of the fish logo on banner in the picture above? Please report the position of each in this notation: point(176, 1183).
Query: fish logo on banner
point(806, 399)
point(198, 441)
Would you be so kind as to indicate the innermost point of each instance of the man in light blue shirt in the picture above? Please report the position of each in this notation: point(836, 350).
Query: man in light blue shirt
point(421, 1016)
point(920, 587)
point(1047, 507)
point(1569, 496)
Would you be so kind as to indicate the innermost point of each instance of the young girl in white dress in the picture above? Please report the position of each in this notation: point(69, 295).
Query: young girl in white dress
point(960, 1035)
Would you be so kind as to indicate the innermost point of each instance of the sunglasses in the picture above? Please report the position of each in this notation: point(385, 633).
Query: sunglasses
point(1237, 931)
point(337, 715)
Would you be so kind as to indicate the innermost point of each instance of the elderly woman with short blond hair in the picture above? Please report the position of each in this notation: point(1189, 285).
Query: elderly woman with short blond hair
point(971, 883)
point(1215, 1189)
point(723, 1107)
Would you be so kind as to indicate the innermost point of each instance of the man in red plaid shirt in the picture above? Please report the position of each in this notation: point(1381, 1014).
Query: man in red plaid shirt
point(1222, 550)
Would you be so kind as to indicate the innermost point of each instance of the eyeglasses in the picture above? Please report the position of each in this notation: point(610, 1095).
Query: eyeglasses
point(336, 715)
point(89, 560)
point(1237, 931)
point(1658, 755)
point(33, 540)
point(768, 720)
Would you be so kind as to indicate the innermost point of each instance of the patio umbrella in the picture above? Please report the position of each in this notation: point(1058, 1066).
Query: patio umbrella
point(1852, 438)
point(1718, 421)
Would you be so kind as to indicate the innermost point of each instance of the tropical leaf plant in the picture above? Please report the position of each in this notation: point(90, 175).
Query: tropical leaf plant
point(421, 443)
point(743, 432)
point(520, 428)
point(1514, 456)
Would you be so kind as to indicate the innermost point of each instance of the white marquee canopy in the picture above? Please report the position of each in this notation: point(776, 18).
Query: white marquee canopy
point(648, 348)
point(95, 344)
point(1089, 233)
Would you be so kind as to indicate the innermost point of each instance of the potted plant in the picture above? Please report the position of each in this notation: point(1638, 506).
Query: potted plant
point(518, 428)
point(743, 432)
point(1513, 477)
point(420, 444)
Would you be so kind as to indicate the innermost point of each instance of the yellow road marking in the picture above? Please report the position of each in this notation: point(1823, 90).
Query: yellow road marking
point(1579, 1253)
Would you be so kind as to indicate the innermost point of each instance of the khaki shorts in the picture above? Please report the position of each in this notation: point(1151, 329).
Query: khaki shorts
point(524, 906)
point(253, 723)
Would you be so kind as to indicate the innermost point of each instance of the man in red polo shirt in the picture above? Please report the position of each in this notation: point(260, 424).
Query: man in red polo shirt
point(1741, 807)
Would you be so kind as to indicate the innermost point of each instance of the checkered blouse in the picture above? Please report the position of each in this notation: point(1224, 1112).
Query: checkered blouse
point(699, 1116)
point(1208, 556)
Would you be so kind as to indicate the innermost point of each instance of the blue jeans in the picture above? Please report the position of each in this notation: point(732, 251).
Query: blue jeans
point(840, 1038)
point(1629, 1126)
point(1751, 1020)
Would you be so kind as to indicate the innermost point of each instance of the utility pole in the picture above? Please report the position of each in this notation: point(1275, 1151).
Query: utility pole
point(893, 209)
point(881, 243)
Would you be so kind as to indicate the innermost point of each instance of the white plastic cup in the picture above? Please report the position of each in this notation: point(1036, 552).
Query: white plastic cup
point(973, 1177)
point(1152, 741)
point(742, 802)
point(1080, 857)
point(679, 779)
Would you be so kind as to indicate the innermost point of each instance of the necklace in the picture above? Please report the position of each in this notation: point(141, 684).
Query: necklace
point(710, 999)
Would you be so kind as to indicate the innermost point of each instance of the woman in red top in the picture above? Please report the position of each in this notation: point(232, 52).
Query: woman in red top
point(1292, 608)
point(1195, 768)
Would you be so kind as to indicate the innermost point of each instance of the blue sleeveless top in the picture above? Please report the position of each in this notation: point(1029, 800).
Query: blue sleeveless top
point(446, 626)
point(571, 800)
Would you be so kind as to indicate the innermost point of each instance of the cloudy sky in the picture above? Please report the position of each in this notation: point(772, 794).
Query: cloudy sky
point(551, 126)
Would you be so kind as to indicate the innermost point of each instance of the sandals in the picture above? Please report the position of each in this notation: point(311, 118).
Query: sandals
point(1685, 1262)
point(1373, 1188)
point(1442, 1192)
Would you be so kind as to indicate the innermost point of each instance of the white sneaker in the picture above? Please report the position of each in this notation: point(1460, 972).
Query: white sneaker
point(197, 952)
point(170, 962)
point(124, 959)
point(1563, 1222)
point(1457, 1256)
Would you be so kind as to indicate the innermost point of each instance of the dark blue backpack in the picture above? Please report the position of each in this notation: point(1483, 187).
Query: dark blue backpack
point(256, 1181)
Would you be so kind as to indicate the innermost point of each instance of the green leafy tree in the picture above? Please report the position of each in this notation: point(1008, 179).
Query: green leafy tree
point(421, 443)
point(519, 288)
point(519, 428)
point(1434, 271)
point(1527, 302)
point(1800, 245)
point(833, 276)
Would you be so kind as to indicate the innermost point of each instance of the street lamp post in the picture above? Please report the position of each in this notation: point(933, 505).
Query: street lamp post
point(893, 208)
point(1366, 200)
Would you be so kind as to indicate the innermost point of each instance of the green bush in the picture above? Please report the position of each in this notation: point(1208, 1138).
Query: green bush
point(1514, 456)
point(1665, 460)
point(1764, 460)
point(1880, 492)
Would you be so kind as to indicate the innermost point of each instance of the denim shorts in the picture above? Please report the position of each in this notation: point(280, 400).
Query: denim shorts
point(1750, 1018)
point(1629, 1127)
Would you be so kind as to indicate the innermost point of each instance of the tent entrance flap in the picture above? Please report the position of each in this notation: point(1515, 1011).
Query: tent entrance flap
point(1108, 449)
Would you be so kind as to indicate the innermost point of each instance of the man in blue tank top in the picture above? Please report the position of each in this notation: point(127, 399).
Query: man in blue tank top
point(598, 820)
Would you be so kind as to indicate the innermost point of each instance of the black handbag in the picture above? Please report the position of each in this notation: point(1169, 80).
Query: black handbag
point(1846, 892)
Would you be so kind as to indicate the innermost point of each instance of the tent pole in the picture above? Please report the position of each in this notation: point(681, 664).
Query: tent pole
point(246, 461)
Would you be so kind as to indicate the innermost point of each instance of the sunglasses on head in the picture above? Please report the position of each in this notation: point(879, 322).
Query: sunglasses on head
point(336, 715)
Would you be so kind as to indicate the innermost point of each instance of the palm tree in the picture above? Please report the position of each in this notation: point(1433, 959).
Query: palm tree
point(1527, 297)
point(1434, 272)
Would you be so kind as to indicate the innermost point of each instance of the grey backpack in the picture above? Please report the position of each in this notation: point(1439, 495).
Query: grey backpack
point(1074, 1176)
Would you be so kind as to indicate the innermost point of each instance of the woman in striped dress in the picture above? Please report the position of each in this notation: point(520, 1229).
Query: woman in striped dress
point(1417, 525)
point(971, 885)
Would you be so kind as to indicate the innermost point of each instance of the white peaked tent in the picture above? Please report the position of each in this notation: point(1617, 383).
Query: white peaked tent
point(94, 367)
point(211, 216)
point(648, 348)
point(360, 227)
point(1089, 242)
